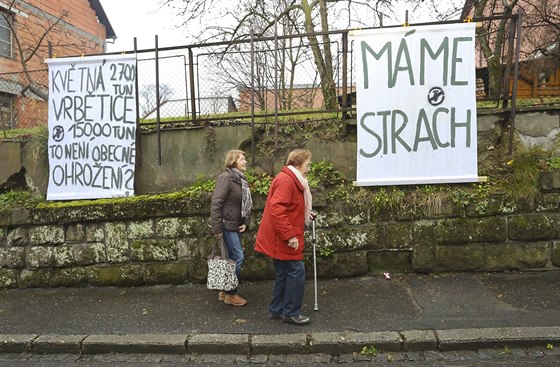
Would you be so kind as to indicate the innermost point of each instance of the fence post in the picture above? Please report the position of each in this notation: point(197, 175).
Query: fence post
point(519, 18)
point(344, 83)
point(507, 74)
point(158, 104)
point(191, 81)
point(138, 134)
point(275, 88)
point(252, 96)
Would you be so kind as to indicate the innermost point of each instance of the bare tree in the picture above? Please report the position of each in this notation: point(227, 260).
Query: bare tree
point(148, 103)
point(234, 60)
point(31, 44)
point(492, 36)
point(310, 16)
point(541, 36)
point(492, 39)
point(26, 51)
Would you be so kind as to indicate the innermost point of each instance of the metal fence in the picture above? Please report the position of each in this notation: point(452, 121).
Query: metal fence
point(208, 82)
point(265, 77)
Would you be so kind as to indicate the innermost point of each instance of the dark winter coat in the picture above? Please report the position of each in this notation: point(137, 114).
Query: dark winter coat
point(283, 218)
point(225, 210)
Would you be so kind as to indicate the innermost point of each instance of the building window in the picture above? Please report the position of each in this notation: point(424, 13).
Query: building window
point(5, 36)
point(7, 111)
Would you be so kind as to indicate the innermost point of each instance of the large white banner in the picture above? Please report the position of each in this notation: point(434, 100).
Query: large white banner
point(416, 105)
point(92, 127)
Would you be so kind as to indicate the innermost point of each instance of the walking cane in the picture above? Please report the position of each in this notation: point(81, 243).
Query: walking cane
point(313, 237)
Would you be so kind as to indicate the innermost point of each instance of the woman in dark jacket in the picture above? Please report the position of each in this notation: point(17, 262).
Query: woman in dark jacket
point(230, 214)
point(280, 235)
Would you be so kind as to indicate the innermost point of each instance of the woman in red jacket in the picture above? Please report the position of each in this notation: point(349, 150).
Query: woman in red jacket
point(280, 236)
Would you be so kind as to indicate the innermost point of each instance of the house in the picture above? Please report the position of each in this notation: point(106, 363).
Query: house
point(42, 28)
point(300, 96)
point(539, 54)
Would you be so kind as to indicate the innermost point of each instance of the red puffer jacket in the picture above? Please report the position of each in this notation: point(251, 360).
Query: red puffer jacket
point(283, 218)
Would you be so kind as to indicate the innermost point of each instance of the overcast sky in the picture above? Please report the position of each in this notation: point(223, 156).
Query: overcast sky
point(142, 19)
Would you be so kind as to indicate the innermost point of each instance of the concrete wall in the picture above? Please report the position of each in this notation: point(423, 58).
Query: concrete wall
point(10, 159)
point(188, 154)
point(185, 156)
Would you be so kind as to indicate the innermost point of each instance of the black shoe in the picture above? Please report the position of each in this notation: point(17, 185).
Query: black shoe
point(274, 316)
point(298, 320)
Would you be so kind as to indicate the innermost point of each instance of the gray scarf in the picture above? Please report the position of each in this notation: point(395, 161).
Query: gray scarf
point(246, 200)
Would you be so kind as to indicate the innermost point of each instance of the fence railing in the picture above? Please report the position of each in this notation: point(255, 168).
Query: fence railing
point(268, 77)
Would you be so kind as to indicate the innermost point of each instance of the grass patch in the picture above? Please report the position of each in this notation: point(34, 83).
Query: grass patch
point(528, 102)
point(225, 119)
point(26, 133)
point(521, 183)
point(18, 199)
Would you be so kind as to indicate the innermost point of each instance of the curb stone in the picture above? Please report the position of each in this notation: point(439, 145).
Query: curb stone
point(279, 344)
point(350, 342)
point(218, 344)
point(419, 340)
point(11, 343)
point(57, 344)
point(469, 339)
point(136, 343)
point(321, 343)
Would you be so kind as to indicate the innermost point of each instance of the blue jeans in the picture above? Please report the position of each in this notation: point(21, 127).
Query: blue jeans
point(232, 240)
point(289, 284)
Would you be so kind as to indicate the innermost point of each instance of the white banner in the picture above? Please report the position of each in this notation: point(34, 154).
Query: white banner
point(416, 105)
point(92, 127)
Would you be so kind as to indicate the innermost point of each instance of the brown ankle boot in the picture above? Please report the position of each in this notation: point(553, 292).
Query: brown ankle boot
point(234, 300)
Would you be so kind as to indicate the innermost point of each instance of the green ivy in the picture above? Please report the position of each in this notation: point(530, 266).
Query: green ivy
point(325, 174)
point(259, 183)
point(462, 199)
point(337, 186)
point(326, 251)
point(554, 163)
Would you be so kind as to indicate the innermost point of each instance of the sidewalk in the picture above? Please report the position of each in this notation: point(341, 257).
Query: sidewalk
point(407, 313)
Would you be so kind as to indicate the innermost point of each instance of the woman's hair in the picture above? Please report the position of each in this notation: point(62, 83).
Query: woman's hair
point(297, 157)
point(232, 156)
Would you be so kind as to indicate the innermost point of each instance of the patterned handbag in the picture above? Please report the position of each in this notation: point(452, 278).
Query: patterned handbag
point(221, 270)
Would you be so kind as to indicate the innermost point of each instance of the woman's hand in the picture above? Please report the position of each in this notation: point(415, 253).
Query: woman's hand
point(312, 215)
point(242, 228)
point(293, 243)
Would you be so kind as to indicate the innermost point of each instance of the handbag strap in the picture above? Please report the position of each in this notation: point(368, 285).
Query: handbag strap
point(223, 249)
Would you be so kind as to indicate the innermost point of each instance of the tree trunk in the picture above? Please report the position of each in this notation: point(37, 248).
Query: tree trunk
point(323, 63)
point(492, 47)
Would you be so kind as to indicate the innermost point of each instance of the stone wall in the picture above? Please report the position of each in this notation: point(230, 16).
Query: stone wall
point(136, 242)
